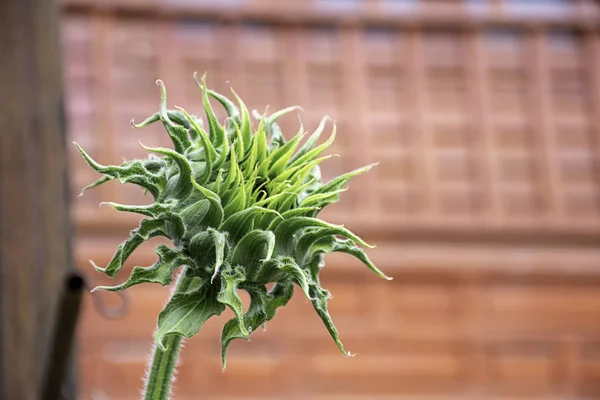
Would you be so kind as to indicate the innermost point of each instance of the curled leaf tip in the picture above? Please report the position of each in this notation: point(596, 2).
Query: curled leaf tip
point(96, 267)
point(145, 147)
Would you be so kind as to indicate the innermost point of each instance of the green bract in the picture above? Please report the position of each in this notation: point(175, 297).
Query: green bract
point(240, 205)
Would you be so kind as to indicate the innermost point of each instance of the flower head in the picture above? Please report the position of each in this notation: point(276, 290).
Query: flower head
point(241, 206)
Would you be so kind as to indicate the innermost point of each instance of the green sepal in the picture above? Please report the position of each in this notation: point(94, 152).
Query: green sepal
point(320, 200)
point(129, 172)
point(245, 122)
point(194, 215)
point(311, 141)
point(217, 133)
point(159, 211)
point(255, 317)
point(270, 120)
point(331, 244)
point(185, 313)
point(263, 307)
point(320, 297)
point(183, 185)
point(214, 217)
point(177, 133)
point(314, 153)
point(282, 155)
point(340, 181)
point(286, 230)
point(207, 248)
point(159, 272)
point(282, 269)
point(242, 222)
point(98, 182)
point(148, 228)
point(232, 111)
point(253, 249)
point(231, 277)
point(210, 153)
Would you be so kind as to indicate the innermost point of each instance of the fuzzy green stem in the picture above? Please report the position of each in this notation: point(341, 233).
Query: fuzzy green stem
point(164, 362)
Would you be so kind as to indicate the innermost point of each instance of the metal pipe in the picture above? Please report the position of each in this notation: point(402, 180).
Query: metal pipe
point(64, 332)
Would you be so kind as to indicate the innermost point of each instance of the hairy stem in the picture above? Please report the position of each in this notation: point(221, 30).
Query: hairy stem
point(164, 362)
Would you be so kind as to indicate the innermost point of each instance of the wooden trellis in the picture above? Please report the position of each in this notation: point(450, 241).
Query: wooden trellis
point(484, 127)
point(485, 117)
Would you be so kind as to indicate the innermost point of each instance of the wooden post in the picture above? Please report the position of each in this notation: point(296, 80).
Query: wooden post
point(34, 223)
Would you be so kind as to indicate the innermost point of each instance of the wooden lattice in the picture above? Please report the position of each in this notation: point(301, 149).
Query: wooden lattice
point(485, 116)
point(482, 128)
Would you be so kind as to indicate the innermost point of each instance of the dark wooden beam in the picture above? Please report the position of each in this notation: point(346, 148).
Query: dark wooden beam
point(34, 223)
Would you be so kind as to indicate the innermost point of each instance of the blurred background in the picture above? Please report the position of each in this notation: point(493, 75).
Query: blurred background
point(485, 117)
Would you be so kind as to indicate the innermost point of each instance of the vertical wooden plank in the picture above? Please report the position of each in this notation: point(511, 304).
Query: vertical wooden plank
point(355, 86)
point(104, 132)
point(479, 90)
point(571, 361)
point(288, 48)
point(418, 114)
point(169, 64)
point(592, 49)
point(543, 126)
point(34, 223)
point(230, 61)
point(472, 293)
point(294, 68)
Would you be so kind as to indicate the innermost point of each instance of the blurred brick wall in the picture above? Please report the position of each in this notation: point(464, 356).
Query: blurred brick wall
point(485, 118)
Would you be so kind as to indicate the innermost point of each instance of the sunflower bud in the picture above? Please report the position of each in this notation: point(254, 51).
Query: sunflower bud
point(241, 207)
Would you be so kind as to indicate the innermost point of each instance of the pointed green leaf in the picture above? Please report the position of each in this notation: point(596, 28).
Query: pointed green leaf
point(183, 184)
